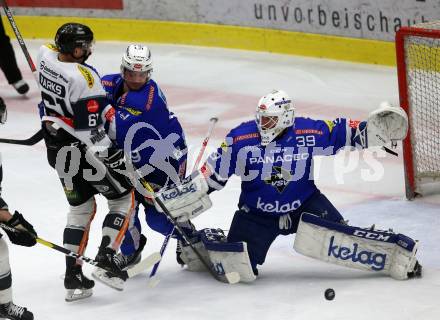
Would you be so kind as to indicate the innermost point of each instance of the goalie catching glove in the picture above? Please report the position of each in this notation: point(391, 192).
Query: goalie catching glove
point(186, 200)
point(386, 124)
point(22, 232)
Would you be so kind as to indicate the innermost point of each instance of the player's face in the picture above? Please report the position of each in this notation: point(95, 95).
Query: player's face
point(268, 122)
point(83, 52)
point(135, 79)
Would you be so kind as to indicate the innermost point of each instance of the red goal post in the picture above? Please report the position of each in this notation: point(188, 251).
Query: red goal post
point(418, 68)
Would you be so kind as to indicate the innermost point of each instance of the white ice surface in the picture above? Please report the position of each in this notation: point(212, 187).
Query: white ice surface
point(201, 83)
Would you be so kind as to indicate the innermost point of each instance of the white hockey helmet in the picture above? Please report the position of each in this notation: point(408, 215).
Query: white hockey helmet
point(275, 112)
point(137, 58)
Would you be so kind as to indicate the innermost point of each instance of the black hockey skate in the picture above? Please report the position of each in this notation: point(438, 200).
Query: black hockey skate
point(417, 271)
point(106, 260)
point(123, 262)
point(14, 312)
point(21, 86)
point(77, 285)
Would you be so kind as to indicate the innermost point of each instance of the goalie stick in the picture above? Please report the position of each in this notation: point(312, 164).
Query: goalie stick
point(153, 281)
point(37, 137)
point(213, 121)
point(138, 268)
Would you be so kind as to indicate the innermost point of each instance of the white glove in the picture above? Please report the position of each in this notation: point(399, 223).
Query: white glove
point(187, 200)
point(386, 124)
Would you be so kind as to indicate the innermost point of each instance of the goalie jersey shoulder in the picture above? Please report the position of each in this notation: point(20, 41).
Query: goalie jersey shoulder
point(244, 134)
point(304, 126)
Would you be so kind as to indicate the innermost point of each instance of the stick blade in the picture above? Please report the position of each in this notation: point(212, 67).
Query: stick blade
point(153, 282)
point(232, 277)
point(145, 264)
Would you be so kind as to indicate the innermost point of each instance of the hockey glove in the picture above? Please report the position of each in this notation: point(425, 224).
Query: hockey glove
point(386, 124)
point(186, 200)
point(3, 112)
point(24, 233)
point(115, 159)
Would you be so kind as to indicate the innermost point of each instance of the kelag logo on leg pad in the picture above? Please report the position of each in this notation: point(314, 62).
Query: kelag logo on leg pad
point(375, 260)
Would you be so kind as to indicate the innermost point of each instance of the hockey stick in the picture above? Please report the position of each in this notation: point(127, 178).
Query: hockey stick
point(37, 137)
point(19, 38)
point(154, 281)
point(140, 267)
point(205, 142)
point(390, 151)
point(231, 277)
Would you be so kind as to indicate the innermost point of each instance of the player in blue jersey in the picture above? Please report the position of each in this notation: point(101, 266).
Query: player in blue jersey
point(273, 156)
point(144, 127)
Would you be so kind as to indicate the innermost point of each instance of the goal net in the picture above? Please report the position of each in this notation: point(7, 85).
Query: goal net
point(418, 65)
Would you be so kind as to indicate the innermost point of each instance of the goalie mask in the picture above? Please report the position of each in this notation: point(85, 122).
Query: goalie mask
point(275, 112)
point(136, 66)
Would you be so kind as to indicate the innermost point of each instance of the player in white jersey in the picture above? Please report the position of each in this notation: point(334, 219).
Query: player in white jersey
point(24, 236)
point(74, 104)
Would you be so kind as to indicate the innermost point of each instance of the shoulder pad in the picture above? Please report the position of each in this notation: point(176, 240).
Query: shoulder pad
point(309, 126)
point(107, 83)
point(51, 47)
point(246, 136)
point(354, 124)
point(113, 80)
point(92, 68)
point(87, 74)
point(131, 111)
point(152, 91)
point(337, 121)
point(245, 131)
point(161, 94)
point(109, 80)
point(134, 100)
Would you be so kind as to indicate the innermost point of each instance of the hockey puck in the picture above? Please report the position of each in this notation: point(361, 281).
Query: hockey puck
point(329, 294)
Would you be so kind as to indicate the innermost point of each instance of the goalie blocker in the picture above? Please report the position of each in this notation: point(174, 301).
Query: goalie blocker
point(225, 257)
point(359, 248)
